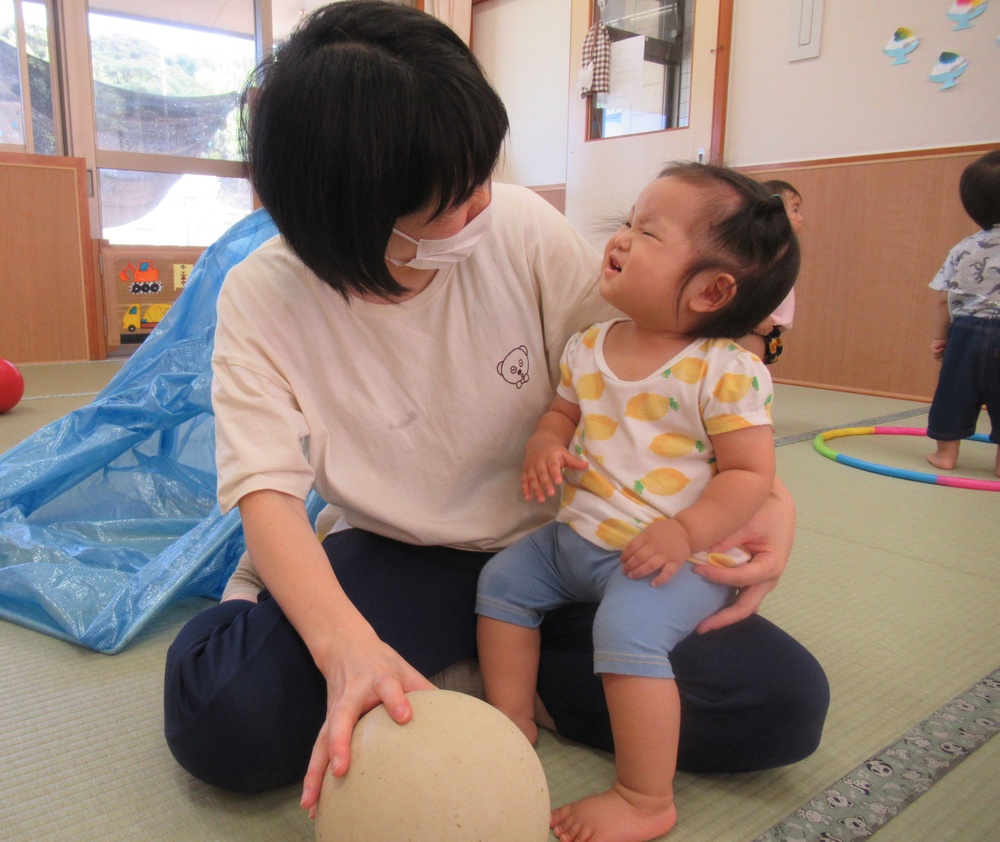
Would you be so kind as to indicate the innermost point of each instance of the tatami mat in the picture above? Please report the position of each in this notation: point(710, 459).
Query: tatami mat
point(50, 392)
point(963, 806)
point(46, 380)
point(893, 585)
point(799, 410)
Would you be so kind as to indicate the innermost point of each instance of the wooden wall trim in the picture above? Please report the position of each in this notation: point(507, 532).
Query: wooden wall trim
point(875, 158)
point(872, 392)
point(720, 97)
point(96, 317)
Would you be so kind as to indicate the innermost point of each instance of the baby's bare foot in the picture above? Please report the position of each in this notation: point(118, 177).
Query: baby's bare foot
point(527, 726)
point(544, 719)
point(617, 815)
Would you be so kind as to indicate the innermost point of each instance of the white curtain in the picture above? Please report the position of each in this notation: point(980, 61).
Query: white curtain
point(456, 13)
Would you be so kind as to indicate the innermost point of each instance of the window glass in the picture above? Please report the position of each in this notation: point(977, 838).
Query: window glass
point(169, 88)
point(650, 67)
point(11, 116)
point(168, 209)
point(36, 45)
point(36, 36)
point(166, 88)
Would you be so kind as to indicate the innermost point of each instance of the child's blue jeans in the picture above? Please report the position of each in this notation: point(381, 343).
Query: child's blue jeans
point(969, 378)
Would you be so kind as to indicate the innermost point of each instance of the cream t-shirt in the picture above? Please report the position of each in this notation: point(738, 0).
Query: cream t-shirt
point(410, 417)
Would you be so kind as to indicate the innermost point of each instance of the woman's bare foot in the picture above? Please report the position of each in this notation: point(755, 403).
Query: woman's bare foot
point(616, 815)
point(244, 583)
point(249, 597)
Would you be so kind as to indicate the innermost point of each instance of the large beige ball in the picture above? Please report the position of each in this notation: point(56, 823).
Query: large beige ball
point(459, 771)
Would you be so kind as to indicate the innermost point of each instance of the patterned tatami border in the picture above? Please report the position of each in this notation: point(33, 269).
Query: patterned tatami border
point(872, 794)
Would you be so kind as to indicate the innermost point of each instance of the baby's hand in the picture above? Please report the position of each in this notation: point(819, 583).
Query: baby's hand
point(937, 348)
point(544, 460)
point(663, 546)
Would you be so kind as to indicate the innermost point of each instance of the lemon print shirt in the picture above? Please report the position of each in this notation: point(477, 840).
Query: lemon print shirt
point(647, 441)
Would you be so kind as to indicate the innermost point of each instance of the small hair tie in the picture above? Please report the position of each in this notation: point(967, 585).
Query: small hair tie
point(772, 204)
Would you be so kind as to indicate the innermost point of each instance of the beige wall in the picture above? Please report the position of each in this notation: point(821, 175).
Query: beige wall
point(851, 100)
point(524, 46)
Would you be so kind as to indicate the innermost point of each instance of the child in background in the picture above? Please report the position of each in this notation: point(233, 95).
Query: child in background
point(765, 341)
point(662, 424)
point(792, 199)
point(968, 335)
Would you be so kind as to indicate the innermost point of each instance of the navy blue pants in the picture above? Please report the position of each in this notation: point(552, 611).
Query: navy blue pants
point(969, 378)
point(244, 702)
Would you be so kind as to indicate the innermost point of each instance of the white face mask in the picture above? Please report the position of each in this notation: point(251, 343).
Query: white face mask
point(440, 254)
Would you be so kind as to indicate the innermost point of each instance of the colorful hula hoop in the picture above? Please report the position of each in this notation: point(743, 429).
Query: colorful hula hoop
point(934, 479)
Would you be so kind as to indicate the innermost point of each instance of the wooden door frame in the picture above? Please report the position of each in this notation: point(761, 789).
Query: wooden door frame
point(720, 98)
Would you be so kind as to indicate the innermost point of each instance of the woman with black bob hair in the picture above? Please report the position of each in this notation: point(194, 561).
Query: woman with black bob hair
point(396, 77)
point(392, 349)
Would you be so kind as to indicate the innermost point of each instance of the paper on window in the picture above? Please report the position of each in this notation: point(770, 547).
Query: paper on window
point(626, 72)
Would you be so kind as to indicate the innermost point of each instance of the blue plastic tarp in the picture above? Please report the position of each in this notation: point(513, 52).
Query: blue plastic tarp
point(109, 514)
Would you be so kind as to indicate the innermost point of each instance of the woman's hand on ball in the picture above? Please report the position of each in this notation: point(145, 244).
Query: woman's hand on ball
point(366, 673)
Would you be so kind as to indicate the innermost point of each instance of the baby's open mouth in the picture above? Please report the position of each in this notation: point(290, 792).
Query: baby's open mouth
point(614, 264)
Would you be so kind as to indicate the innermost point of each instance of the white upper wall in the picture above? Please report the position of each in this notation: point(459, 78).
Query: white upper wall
point(851, 100)
point(524, 48)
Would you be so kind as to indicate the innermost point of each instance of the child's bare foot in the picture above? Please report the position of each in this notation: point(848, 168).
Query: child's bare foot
point(946, 455)
point(944, 463)
point(527, 726)
point(616, 815)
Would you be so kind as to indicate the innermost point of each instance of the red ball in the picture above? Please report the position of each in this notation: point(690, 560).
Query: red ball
point(11, 386)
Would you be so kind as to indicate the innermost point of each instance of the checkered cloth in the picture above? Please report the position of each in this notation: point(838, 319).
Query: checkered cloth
point(595, 75)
